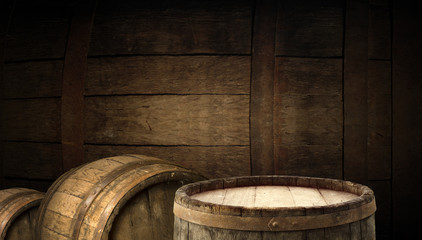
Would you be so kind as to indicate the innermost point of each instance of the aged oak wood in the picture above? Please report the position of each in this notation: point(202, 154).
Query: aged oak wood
point(122, 197)
point(18, 207)
point(274, 207)
point(168, 120)
point(356, 91)
point(262, 88)
point(310, 28)
point(210, 161)
point(168, 75)
point(30, 120)
point(308, 117)
point(182, 27)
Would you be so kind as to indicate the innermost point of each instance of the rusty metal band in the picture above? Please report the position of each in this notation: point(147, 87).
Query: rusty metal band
point(282, 223)
point(96, 190)
point(105, 215)
point(34, 197)
point(51, 191)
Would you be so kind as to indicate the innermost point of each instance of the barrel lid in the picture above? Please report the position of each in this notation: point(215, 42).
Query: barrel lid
point(274, 203)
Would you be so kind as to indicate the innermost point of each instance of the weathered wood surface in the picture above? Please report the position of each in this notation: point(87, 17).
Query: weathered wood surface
point(262, 88)
point(148, 27)
point(310, 28)
point(168, 75)
point(30, 120)
point(85, 202)
point(31, 160)
point(18, 207)
point(210, 161)
point(263, 207)
point(308, 117)
point(32, 79)
point(168, 120)
point(379, 120)
point(74, 74)
point(274, 196)
point(38, 30)
point(356, 92)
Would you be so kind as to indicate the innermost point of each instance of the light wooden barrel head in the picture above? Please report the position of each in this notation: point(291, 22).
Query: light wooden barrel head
point(272, 204)
point(274, 196)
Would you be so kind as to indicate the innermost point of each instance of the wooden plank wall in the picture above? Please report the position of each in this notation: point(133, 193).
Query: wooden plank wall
point(323, 88)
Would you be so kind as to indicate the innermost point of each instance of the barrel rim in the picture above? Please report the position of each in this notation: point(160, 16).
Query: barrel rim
point(25, 200)
point(269, 219)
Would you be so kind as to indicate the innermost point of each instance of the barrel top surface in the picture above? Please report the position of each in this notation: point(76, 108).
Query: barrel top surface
point(274, 196)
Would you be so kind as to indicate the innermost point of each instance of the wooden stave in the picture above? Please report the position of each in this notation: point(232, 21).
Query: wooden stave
point(18, 202)
point(139, 163)
point(203, 211)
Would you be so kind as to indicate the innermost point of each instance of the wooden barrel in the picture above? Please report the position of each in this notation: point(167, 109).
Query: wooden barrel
point(274, 207)
point(121, 197)
point(18, 207)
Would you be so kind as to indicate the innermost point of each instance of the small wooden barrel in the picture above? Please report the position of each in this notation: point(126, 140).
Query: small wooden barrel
point(123, 197)
point(274, 207)
point(18, 207)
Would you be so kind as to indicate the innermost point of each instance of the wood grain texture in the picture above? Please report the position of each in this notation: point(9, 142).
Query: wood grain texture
point(38, 30)
point(149, 27)
point(262, 88)
point(31, 160)
point(407, 116)
point(74, 74)
point(31, 120)
point(356, 91)
point(168, 120)
point(212, 162)
point(168, 74)
point(379, 120)
point(32, 79)
point(308, 117)
point(310, 28)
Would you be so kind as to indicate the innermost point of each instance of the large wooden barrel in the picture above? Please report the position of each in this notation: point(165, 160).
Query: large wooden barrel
point(122, 197)
point(18, 207)
point(274, 207)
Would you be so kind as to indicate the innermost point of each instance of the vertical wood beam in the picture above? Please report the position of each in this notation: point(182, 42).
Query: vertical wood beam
point(262, 87)
point(355, 91)
point(74, 74)
point(407, 119)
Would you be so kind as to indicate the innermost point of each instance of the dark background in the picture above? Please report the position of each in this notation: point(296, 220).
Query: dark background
point(301, 87)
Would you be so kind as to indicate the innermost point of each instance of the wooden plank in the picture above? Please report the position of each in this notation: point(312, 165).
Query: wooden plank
point(30, 120)
point(168, 120)
point(312, 160)
point(212, 162)
point(310, 120)
point(379, 30)
point(148, 27)
point(168, 74)
point(38, 30)
point(310, 28)
point(31, 160)
point(407, 118)
point(309, 76)
point(308, 117)
point(379, 120)
point(262, 88)
point(355, 91)
point(74, 74)
point(32, 79)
